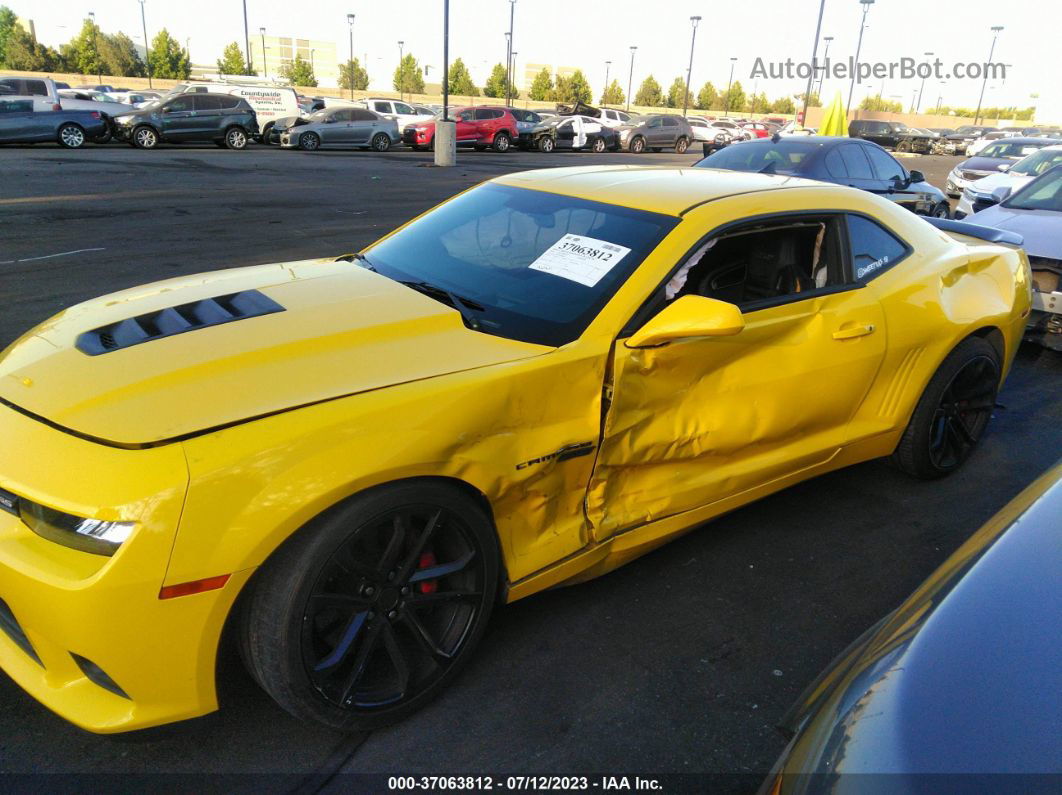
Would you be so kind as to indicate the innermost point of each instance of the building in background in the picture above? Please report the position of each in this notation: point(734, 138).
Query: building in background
point(281, 51)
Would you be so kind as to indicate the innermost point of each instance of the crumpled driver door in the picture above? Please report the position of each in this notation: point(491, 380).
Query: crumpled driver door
point(698, 420)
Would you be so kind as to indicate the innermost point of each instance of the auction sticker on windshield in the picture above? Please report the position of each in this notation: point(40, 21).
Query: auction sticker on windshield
point(580, 259)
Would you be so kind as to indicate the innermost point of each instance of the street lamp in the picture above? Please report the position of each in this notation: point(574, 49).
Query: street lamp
point(940, 96)
point(509, 54)
point(689, 70)
point(811, 74)
point(312, 51)
point(866, 7)
point(247, 40)
point(350, 65)
point(918, 107)
point(726, 110)
point(265, 68)
point(147, 51)
point(96, 47)
point(995, 35)
point(607, 65)
point(401, 71)
point(825, 61)
point(630, 77)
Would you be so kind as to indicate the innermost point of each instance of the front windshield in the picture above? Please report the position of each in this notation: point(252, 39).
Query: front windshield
point(901, 127)
point(1044, 193)
point(1003, 149)
point(319, 115)
point(768, 157)
point(1037, 163)
point(529, 265)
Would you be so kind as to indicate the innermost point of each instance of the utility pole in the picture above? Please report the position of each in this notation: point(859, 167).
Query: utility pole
point(859, 45)
point(689, 71)
point(96, 47)
point(265, 67)
point(726, 110)
point(630, 78)
point(825, 61)
point(608, 64)
point(509, 54)
point(401, 71)
point(147, 51)
point(995, 35)
point(811, 75)
point(921, 90)
point(512, 87)
point(247, 39)
point(350, 76)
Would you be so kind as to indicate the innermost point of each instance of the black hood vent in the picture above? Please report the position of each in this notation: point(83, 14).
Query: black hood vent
point(176, 320)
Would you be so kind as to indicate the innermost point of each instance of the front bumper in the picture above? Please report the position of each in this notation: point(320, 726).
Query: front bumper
point(62, 602)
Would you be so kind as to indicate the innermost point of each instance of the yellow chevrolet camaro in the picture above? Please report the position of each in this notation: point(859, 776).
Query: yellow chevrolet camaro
point(347, 462)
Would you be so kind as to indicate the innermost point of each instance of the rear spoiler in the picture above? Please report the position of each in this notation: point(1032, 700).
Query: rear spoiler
point(987, 233)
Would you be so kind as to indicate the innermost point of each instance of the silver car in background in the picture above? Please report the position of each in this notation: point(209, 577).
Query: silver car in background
point(345, 128)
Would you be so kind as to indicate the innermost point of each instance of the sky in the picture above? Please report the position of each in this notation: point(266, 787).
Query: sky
point(586, 35)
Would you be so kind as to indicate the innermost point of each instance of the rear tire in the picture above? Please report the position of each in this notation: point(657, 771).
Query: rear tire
point(381, 142)
point(236, 138)
point(71, 136)
point(347, 626)
point(681, 145)
point(501, 142)
point(953, 412)
point(266, 132)
point(598, 145)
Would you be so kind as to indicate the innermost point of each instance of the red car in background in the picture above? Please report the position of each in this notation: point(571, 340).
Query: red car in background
point(482, 127)
point(758, 129)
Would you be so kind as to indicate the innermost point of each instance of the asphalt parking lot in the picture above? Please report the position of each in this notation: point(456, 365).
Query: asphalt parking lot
point(680, 662)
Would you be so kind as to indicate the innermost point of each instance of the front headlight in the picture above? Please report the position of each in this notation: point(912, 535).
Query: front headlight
point(625, 134)
point(88, 535)
point(122, 119)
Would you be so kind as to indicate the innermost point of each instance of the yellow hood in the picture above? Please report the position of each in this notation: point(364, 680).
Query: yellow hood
point(343, 330)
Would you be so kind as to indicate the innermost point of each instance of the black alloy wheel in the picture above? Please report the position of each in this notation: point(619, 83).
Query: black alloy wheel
point(362, 621)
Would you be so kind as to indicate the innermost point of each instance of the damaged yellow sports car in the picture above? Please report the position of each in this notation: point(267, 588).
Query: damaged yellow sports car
point(346, 462)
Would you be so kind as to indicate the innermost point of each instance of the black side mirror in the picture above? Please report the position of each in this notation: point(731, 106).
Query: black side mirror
point(915, 176)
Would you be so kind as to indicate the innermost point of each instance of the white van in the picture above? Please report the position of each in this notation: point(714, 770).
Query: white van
point(41, 90)
point(404, 114)
point(269, 102)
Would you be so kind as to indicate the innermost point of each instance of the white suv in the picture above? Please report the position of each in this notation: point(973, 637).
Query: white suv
point(403, 113)
point(613, 118)
point(41, 90)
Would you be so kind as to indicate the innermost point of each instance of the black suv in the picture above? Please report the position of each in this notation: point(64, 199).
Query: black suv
point(225, 119)
point(891, 134)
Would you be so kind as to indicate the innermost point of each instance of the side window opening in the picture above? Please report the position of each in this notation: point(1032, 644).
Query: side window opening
point(762, 262)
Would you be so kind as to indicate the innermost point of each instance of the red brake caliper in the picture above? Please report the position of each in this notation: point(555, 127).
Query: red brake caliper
point(427, 560)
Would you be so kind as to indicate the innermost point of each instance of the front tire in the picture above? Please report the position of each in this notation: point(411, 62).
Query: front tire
point(310, 142)
point(145, 138)
point(942, 210)
point(638, 145)
point(381, 142)
point(369, 611)
point(71, 136)
point(501, 142)
point(953, 412)
point(545, 144)
point(267, 131)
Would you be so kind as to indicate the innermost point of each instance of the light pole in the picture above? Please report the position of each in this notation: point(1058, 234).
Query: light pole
point(265, 68)
point(147, 51)
point(921, 89)
point(350, 69)
point(608, 64)
point(995, 35)
point(866, 7)
point(96, 47)
point(811, 74)
point(512, 72)
point(940, 96)
point(825, 61)
point(312, 51)
point(401, 71)
point(689, 70)
point(726, 110)
point(509, 54)
point(630, 77)
point(247, 39)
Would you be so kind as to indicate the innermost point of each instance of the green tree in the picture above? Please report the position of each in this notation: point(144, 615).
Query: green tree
point(8, 23)
point(26, 55)
point(168, 59)
point(573, 88)
point(352, 76)
point(758, 103)
point(814, 102)
point(542, 87)
point(119, 56)
point(613, 95)
point(460, 82)
point(877, 103)
point(649, 93)
point(707, 97)
point(676, 92)
point(299, 72)
point(232, 61)
point(495, 86)
point(783, 105)
point(736, 97)
point(82, 53)
point(408, 78)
